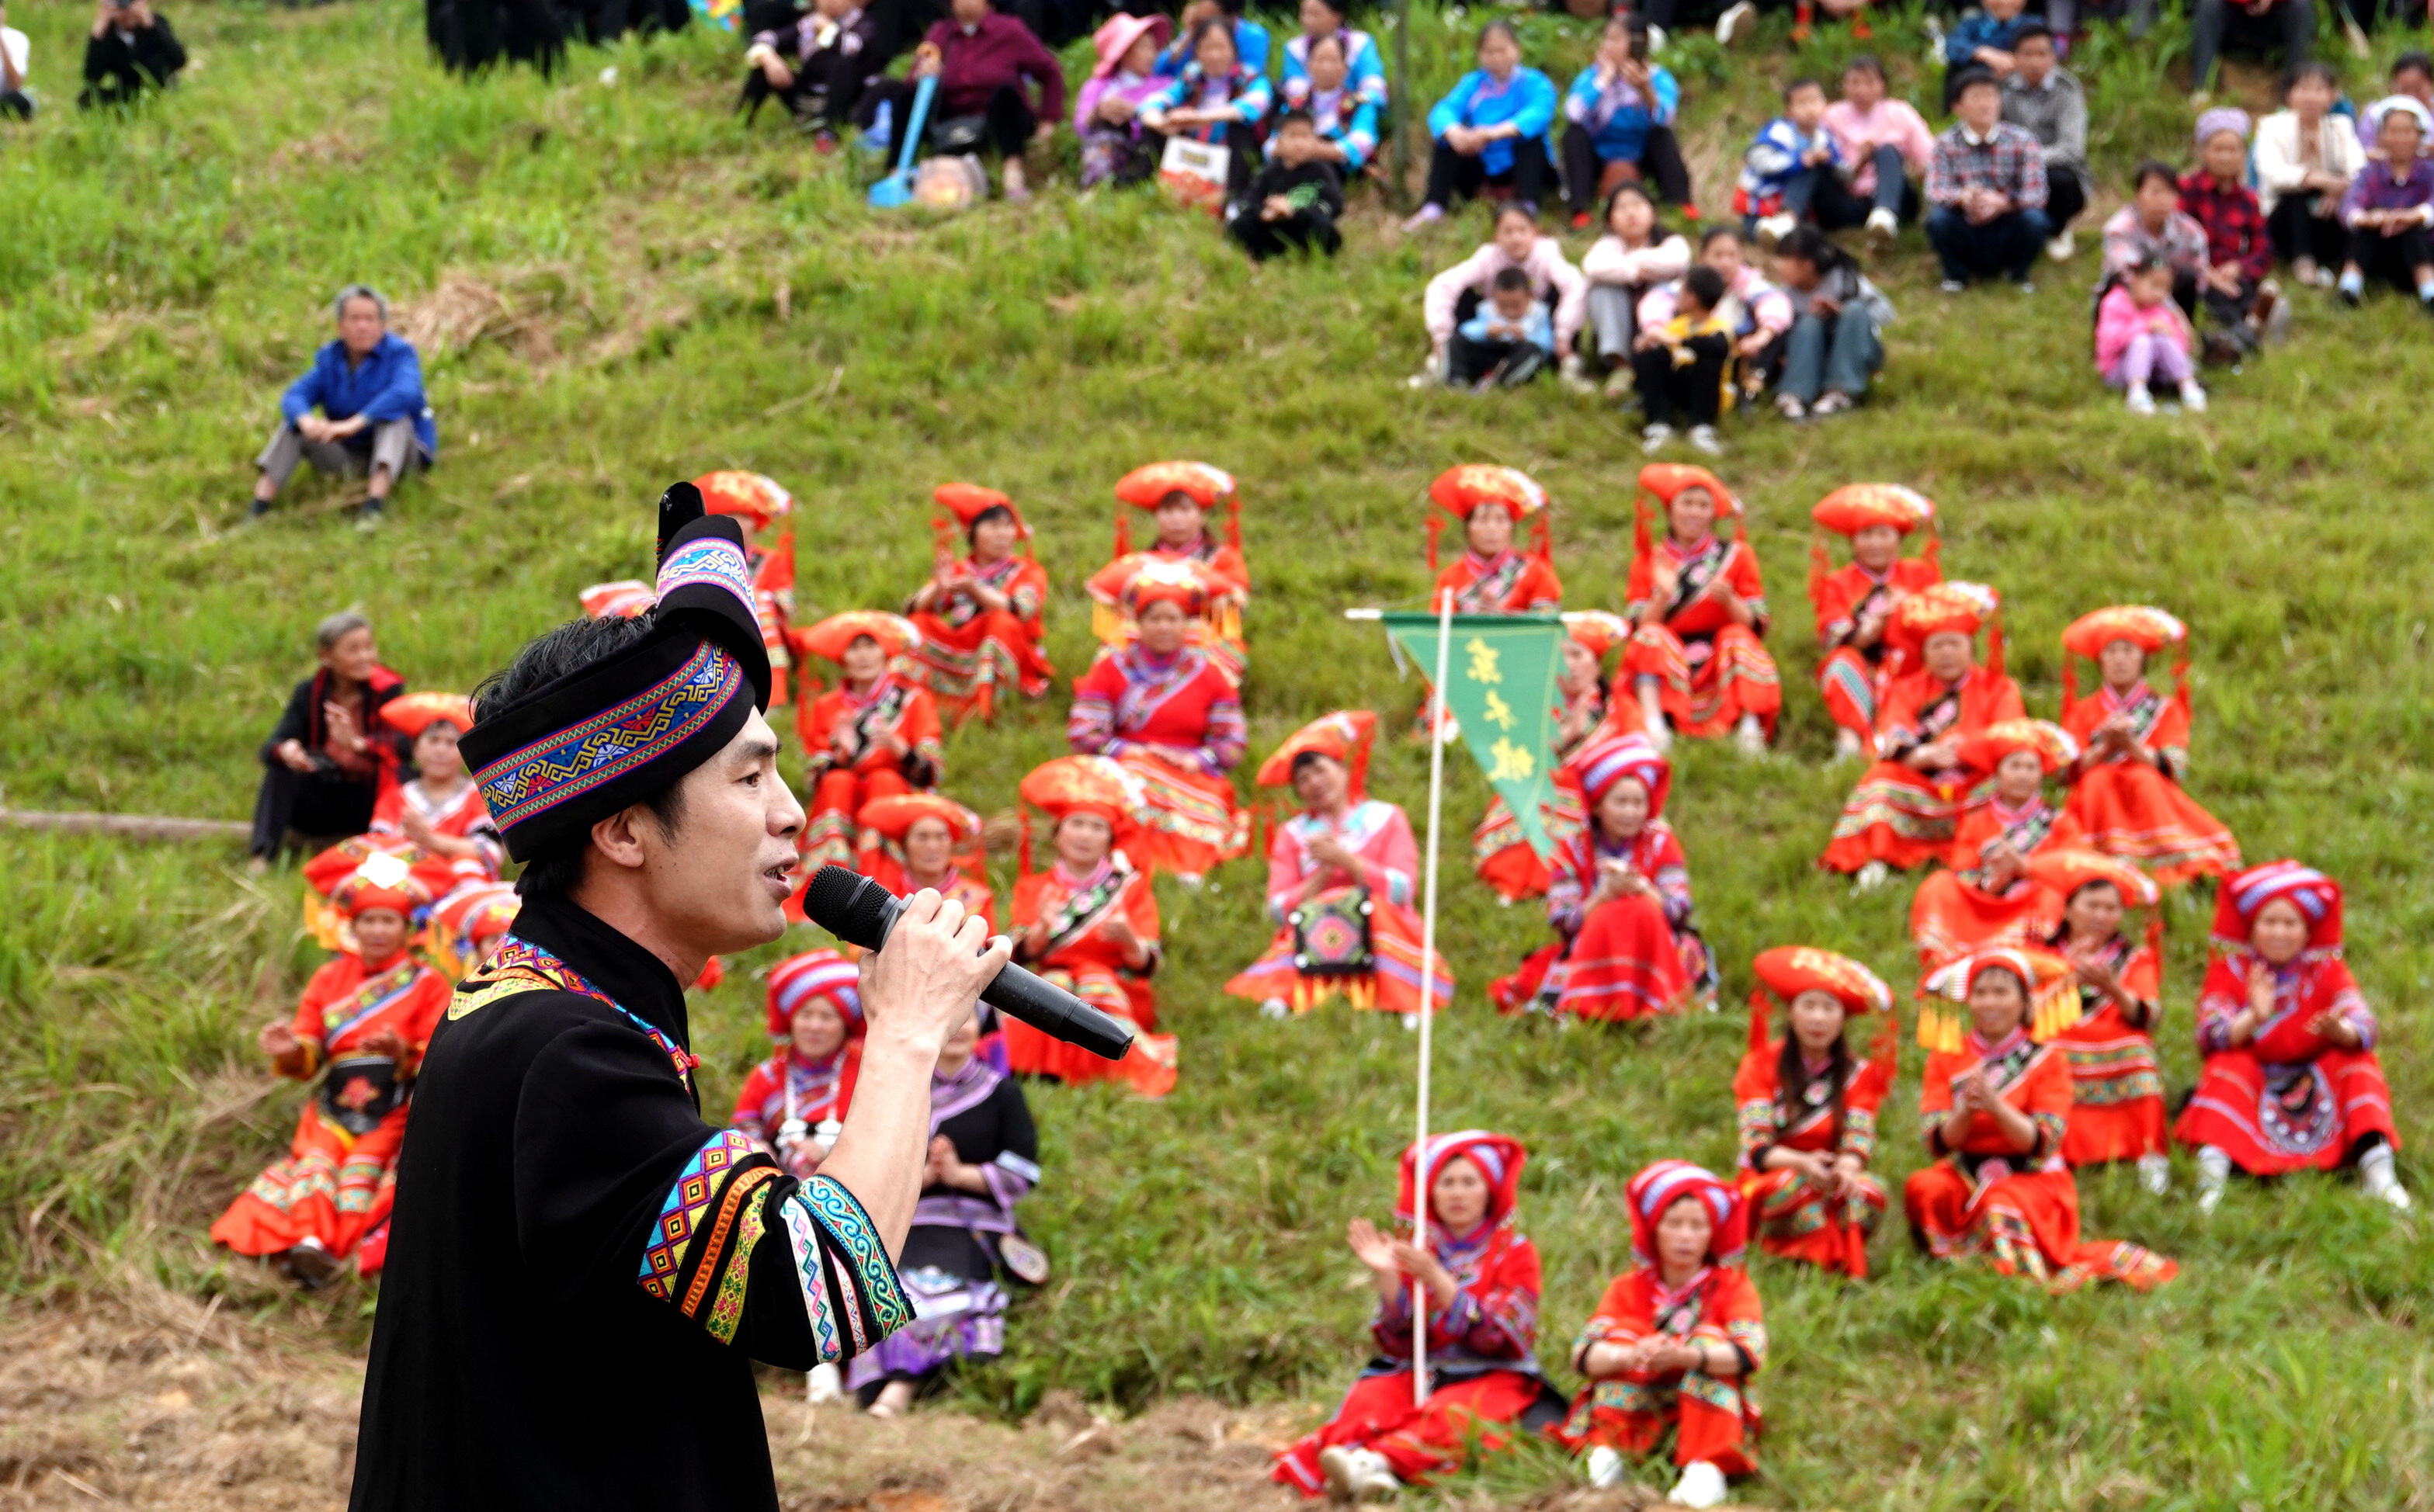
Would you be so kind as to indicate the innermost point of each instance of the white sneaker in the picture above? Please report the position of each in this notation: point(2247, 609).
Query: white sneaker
point(1422, 218)
point(827, 1383)
point(1870, 877)
point(2378, 1175)
point(1830, 403)
point(1357, 1474)
point(2209, 1196)
point(1952, 286)
point(1749, 736)
point(2062, 247)
point(1275, 1008)
point(2155, 1173)
point(1736, 23)
point(2138, 402)
point(1847, 744)
point(2398, 1197)
point(1619, 383)
point(1604, 1467)
point(1574, 376)
point(1882, 229)
point(1702, 1484)
point(1411, 1023)
point(1654, 438)
point(1789, 407)
point(1703, 439)
point(2193, 398)
point(1774, 228)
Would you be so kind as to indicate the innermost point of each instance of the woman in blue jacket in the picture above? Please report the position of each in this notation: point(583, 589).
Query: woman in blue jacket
point(1619, 128)
point(1492, 129)
point(367, 386)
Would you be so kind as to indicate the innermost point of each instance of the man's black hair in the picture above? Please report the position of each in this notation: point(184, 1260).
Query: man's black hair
point(557, 870)
point(1705, 284)
point(1511, 278)
point(2034, 28)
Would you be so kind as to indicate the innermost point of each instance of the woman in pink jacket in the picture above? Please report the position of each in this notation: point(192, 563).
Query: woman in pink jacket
point(2141, 337)
point(1634, 256)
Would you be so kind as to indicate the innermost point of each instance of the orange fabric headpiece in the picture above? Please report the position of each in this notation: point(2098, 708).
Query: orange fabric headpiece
point(410, 714)
point(2065, 871)
point(1985, 751)
point(969, 502)
point(1788, 971)
point(622, 600)
point(2054, 997)
point(1146, 488)
point(831, 637)
point(1345, 735)
point(2148, 628)
point(1600, 630)
point(895, 815)
point(1665, 481)
point(382, 880)
point(1179, 581)
point(1854, 507)
point(1459, 490)
point(1083, 785)
point(1952, 605)
point(747, 495)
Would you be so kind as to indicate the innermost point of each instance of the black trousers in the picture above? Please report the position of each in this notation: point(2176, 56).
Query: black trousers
point(1659, 162)
point(1690, 393)
point(2065, 196)
point(1006, 125)
point(2298, 231)
point(2395, 259)
point(13, 103)
point(1496, 364)
point(317, 803)
point(2290, 25)
point(1452, 176)
point(470, 35)
point(1264, 239)
point(814, 100)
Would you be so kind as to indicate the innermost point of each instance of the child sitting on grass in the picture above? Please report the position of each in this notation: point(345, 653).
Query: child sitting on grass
point(1507, 342)
point(1295, 199)
point(1680, 365)
point(2388, 208)
point(2141, 335)
point(1454, 295)
point(1793, 171)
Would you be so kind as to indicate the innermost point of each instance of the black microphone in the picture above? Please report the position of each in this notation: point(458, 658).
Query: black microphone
point(861, 912)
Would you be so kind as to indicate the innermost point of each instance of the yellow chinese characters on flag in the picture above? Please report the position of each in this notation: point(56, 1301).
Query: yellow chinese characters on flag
point(1500, 674)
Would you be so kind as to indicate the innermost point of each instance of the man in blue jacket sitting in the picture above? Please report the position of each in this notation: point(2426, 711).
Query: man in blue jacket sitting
point(367, 385)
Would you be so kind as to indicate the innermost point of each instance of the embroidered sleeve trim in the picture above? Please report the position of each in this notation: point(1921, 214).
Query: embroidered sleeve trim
point(702, 1182)
point(858, 1257)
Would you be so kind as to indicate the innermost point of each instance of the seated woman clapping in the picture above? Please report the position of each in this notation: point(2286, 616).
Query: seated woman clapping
point(2127, 785)
point(1341, 876)
point(927, 840)
point(2116, 1110)
point(2292, 1082)
point(1855, 603)
point(1674, 1341)
point(979, 615)
point(1698, 658)
point(1479, 1276)
point(876, 735)
point(1986, 896)
point(1993, 1109)
point(1179, 496)
point(1808, 1109)
point(1621, 902)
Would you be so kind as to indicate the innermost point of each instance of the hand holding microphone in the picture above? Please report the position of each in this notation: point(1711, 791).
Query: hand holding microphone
point(861, 912)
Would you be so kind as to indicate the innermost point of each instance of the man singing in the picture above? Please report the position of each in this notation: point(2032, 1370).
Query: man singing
point(580, 1271)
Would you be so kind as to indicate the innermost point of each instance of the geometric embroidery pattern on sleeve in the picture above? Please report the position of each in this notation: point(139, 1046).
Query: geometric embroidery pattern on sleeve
point(703, 1180)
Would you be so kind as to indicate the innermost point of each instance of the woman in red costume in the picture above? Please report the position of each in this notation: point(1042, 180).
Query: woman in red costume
point(927, 840)
point(1166, 710)
point(1342, 877)
point(361, 1024)
point(1901, 812)
point(1499, 853)
point(1491, 577)
point(979, 615)
point(439, 810)
point(1179, 496)
point(1089, 924)
point(793, 1104)
point(1986, 896)
point(874, 737)
point(1808, 1109)
point(2116, 1109)
point(1855, 603)
point(1995, 1108)
point(1621, 903)
point(1675, 1341)
point(2135, 748)
point(759, 501)
point(1698, 661)
point(1481, 1278)
point(2291, 1079)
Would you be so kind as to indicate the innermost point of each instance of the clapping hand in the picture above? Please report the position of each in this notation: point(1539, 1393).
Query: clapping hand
point(1372, 1248)
point(278, 1040)
point(388, 1044)
point(2331, 1026)
point(1332, 852)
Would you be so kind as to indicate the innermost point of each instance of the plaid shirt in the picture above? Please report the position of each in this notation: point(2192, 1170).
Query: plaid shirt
point(2007, 159)
point(2235, 224)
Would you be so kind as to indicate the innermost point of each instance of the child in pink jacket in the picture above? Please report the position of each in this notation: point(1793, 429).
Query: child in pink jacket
point(2142, 337)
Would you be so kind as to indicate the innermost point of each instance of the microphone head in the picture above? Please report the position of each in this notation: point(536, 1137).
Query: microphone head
point(849, 906)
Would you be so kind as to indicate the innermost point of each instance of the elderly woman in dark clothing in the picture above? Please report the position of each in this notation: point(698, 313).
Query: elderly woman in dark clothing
point(998, 86)
point(131, 49)
point(322, 767)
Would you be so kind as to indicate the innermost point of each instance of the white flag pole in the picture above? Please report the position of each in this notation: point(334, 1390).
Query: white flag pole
point(1420, 1173)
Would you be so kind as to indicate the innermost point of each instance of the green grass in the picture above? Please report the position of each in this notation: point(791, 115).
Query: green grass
point(681, 292)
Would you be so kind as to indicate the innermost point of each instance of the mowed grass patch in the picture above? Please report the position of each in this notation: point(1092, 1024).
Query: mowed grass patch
point(629, 287)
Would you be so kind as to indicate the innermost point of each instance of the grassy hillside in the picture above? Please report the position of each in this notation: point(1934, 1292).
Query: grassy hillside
point(634, 288)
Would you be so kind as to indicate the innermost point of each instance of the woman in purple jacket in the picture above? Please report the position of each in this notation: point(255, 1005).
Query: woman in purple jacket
point(367, 386)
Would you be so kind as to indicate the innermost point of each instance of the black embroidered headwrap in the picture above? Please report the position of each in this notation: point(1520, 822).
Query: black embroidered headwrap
point(583, 746)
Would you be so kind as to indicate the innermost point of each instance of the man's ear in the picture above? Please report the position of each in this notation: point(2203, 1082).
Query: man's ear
point(619, 836)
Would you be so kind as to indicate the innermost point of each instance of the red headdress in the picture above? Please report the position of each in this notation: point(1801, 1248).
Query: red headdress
point(2066, 871)
point(1081, 785)
point(1602, 763)
point(622, 600)
point(1665, 481)
point(895, 815)
point(383, 881)
point(1665, 1182)
point(821, 974)
point(1345, 735)
point(373, 864)
point(1498, 1156)
point(1459, 490)
point(1788, 971)
point(829, 639)
point(410, 714)
point(1600, 630)
point(2317, 898)
point(748, 496)
point(462, 920)
point(2053, 745)
point(1954, 605)
point(1855, 506)
point(2149, 629)
point(1149, 486)
point(1152, 579)
point(2053, 994)
point(967, 503)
